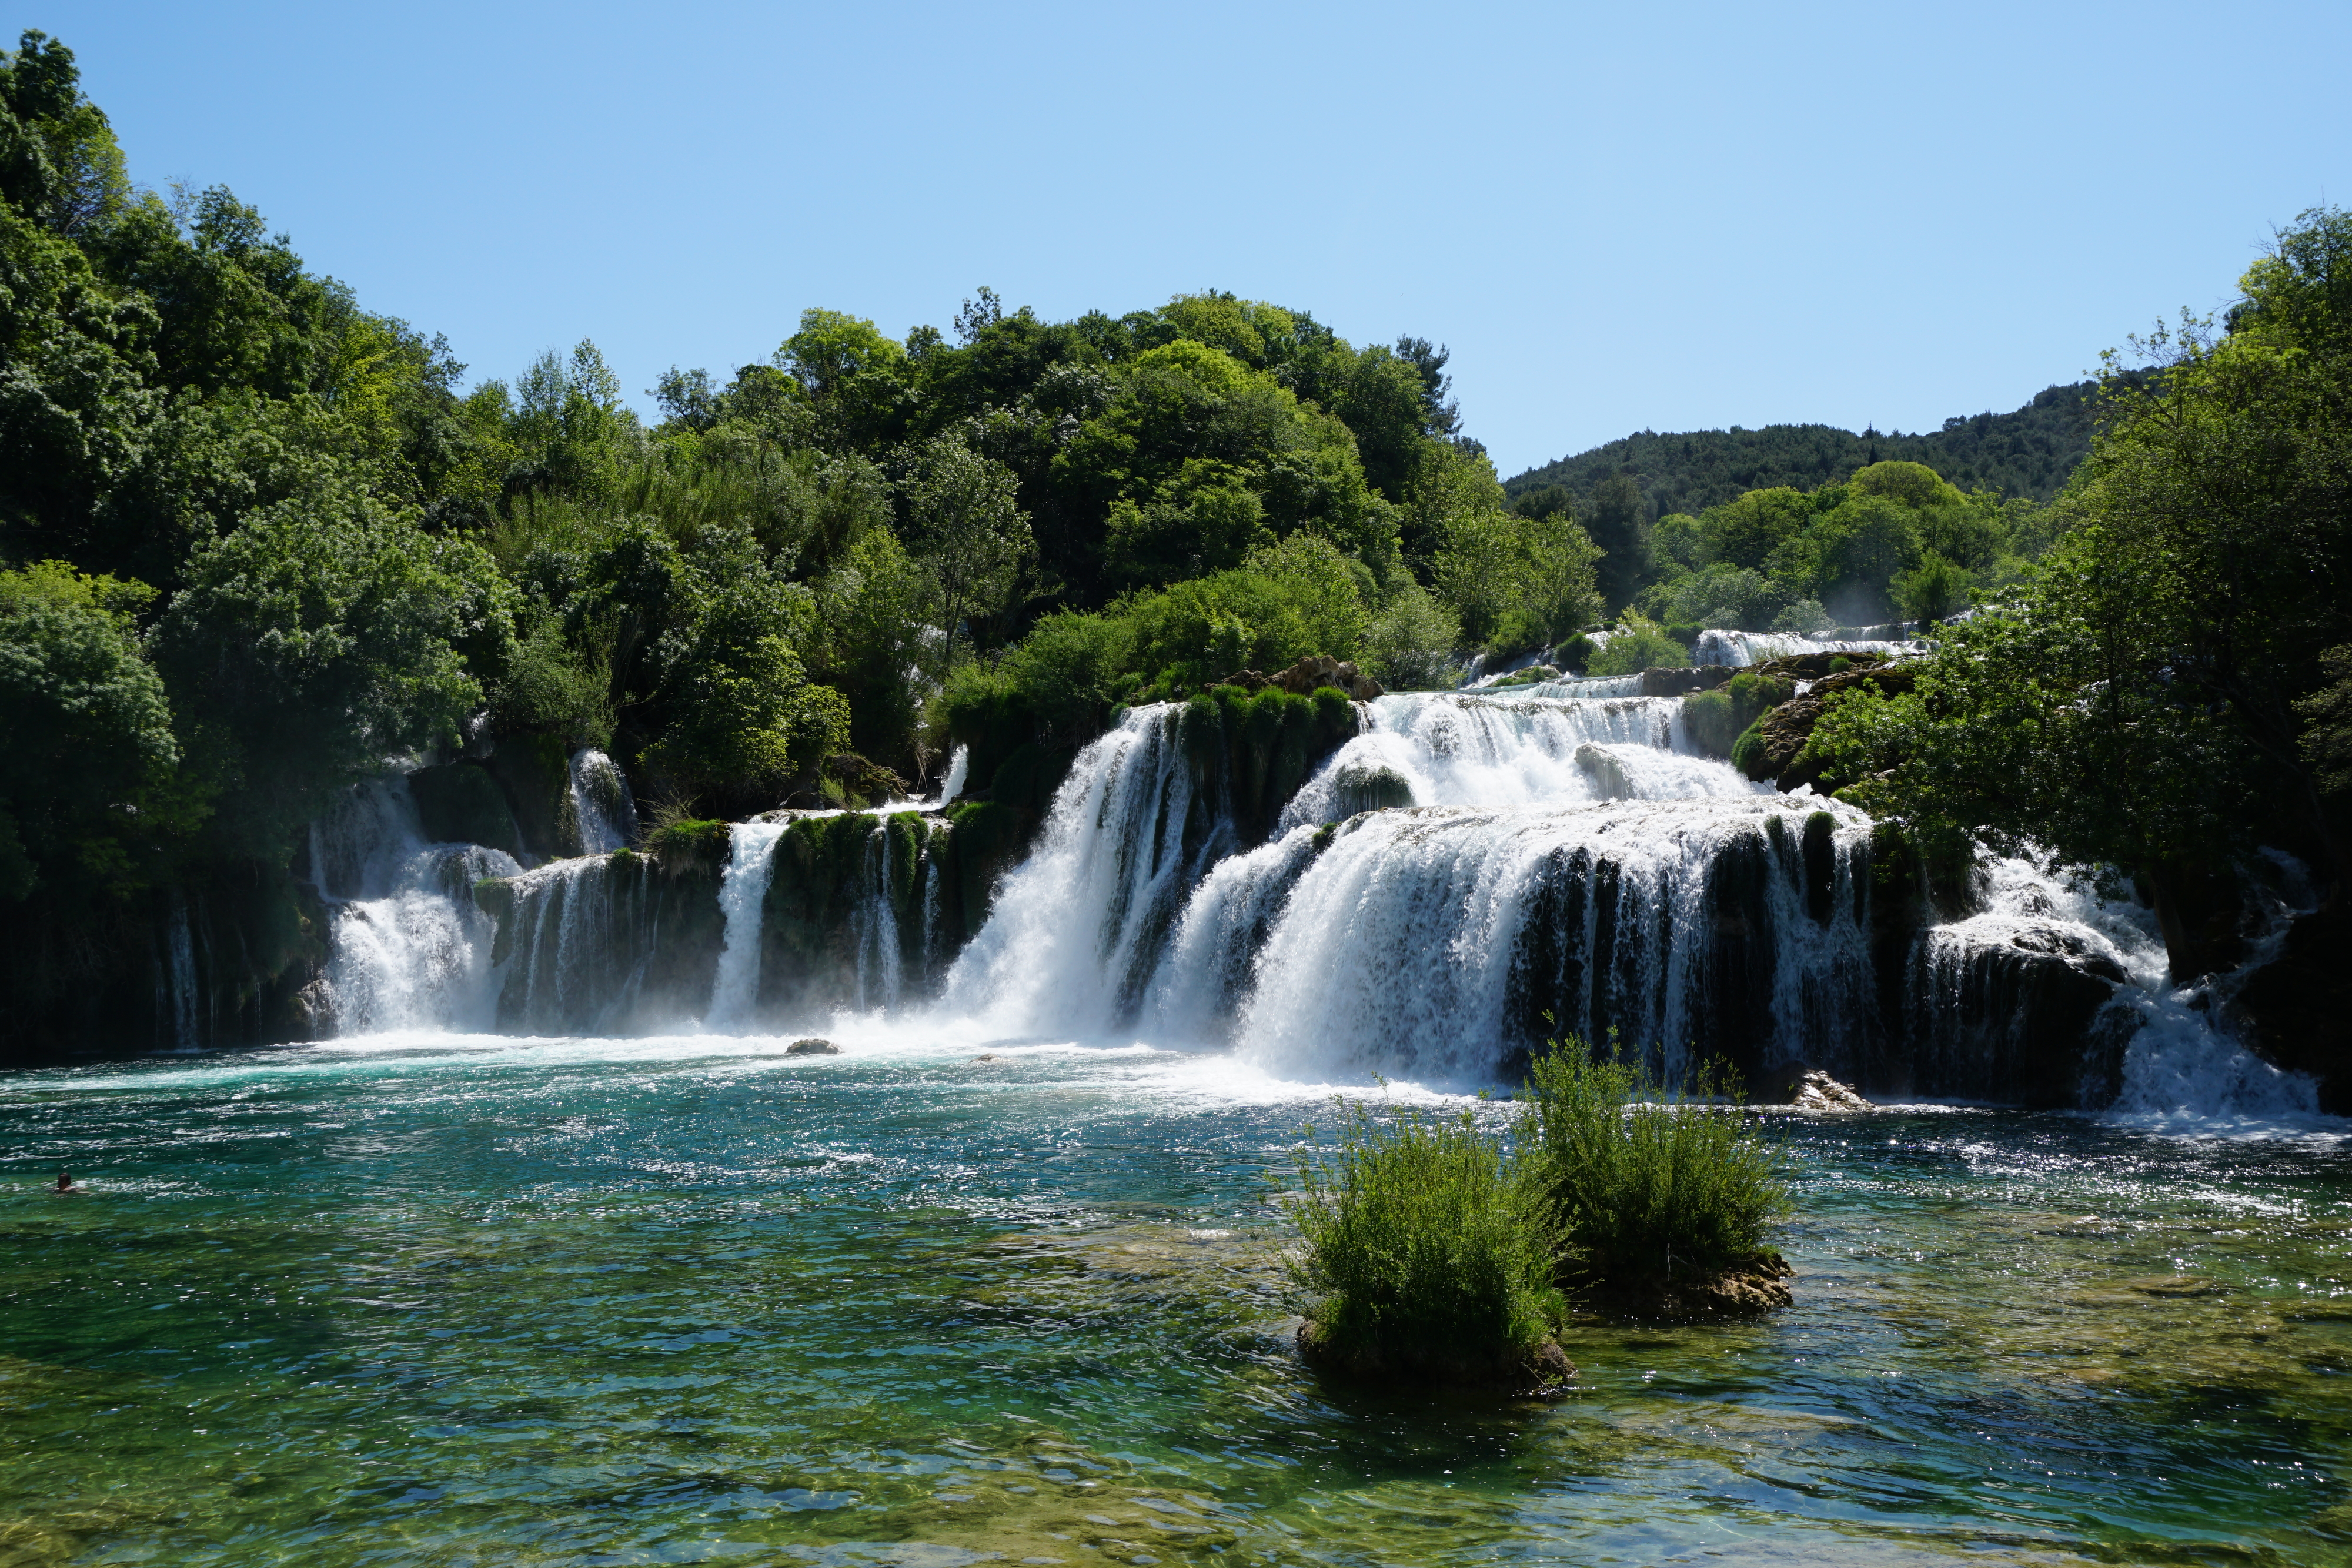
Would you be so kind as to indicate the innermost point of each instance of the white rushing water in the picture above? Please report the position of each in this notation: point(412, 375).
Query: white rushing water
point(743, 891)
point(410, 950)
point(1740, 649)
point(600, 803)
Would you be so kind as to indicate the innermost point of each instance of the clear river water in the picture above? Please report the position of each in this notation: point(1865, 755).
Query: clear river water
point(469, 1299)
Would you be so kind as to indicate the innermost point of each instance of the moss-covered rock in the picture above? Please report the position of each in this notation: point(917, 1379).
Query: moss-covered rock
point(1370, 786)
point(1250, 752)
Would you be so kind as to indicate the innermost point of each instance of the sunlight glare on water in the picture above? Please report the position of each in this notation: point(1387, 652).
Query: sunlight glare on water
point(437, 1298)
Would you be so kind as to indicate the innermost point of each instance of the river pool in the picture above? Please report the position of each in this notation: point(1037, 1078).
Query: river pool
point(458, 1300)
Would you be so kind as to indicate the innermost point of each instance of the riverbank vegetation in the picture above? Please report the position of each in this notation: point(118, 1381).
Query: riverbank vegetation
point(2164, 694)
point(1450, 1249)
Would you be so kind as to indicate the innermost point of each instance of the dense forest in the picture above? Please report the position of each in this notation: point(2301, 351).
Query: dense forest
point(2029, 452)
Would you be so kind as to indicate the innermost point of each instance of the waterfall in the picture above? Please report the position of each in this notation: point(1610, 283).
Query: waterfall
point(175, 982)
point(743, 894)
point(409, 949)
point(1430, 888)
point(1739, 649)
point(952, 785)
point(2054, 995)
point(1441, 944)
point(1477, 750)
point(600, 803)
point(1075, 930)
point(1570, 857)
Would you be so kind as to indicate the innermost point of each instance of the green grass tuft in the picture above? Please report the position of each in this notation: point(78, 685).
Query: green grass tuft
point(1427, 1250)
point(1649, 1181)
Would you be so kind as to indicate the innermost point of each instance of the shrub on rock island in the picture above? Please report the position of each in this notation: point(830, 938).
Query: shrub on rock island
point(1427, 1257)
point(1662, 1193)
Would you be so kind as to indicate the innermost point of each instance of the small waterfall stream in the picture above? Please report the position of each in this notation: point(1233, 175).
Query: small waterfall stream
point(742, 894)
point(410, 950)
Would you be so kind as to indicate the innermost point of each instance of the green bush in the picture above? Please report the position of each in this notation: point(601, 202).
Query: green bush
point(1427, 1252)
point(1409, 646)
point(1574, 656)
point(1639, 646)
point(1647, 1180)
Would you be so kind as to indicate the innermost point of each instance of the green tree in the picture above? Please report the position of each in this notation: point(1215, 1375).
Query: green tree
point(320, 638)
point(88, 777)
point(967, 529)
point(1617, 517)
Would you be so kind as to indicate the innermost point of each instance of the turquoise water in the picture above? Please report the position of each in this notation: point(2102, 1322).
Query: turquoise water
point(471, 1300)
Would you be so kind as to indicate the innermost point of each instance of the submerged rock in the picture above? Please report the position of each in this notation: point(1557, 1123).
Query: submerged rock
point(1542, 1373)
point(812, 1047)
point(1811, 1089)
point(1743, 1290)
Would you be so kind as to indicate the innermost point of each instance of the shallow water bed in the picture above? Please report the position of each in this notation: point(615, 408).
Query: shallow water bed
point(452, 1301)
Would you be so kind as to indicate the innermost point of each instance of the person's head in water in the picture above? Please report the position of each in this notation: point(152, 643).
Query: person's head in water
point(65, 1180)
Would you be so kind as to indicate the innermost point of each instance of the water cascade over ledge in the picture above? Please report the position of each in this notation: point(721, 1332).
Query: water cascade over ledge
point(1427, 886)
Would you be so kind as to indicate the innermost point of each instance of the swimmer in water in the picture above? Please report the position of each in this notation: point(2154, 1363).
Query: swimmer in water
point(65, 1187)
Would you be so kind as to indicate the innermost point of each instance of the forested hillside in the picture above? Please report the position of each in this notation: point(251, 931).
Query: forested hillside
point(2026, 453)
point(257, 543)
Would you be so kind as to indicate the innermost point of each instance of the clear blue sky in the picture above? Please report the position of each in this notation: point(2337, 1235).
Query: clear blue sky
point(1618, 217)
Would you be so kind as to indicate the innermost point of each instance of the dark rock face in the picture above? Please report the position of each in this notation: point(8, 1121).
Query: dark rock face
point(2296, 1009)
point(2012, 1010)
point(462, 804)
point(812, 1047)
point(534, 771)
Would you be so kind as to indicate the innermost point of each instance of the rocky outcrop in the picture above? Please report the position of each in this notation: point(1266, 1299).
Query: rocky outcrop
point(1310, 675)
point(2008, 1009)
point(812, 1047)
point(1370, 786)
point(2296, 1009)
point(857, 783)
point(1774, 746)
point(1811, 1089)
point(1541, 1372)
point(1746, 1290)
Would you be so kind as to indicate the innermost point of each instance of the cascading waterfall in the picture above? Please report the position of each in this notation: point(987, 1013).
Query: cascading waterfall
point(1477, 750)
point(1397, 941)
point(600, 803)
point(742, 892)
point(1740, 649)
point(1075, 931)
point(175, 982)
point(1466, 875)
point(1440, 942)
point(409, 949)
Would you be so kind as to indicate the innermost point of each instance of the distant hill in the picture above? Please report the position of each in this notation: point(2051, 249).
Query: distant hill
point(2028, 453)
